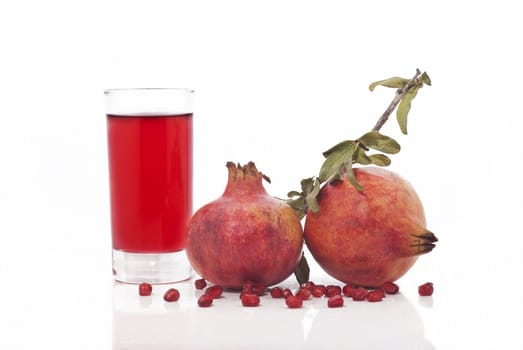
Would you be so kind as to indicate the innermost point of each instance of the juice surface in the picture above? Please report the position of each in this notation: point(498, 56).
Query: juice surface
point(150, 166)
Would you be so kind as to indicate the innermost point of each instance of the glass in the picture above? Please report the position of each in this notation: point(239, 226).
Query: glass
point(150, 140)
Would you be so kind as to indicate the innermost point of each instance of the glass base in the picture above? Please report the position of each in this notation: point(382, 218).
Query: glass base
point(152, 268)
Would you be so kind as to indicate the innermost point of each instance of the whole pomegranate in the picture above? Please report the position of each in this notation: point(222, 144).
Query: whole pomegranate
point(245, 235)
point(368, 237)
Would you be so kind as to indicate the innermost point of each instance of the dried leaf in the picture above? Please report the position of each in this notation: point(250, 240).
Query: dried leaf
point(394, 82)
point(404, 108)
point(340, 147)
point(361, 157)
point(336, 159)
point(380, 142)
point(426, 79)
point(310, 198)
point(302, 271)
point(293, 194)
point(380, 159)
point(352, 178)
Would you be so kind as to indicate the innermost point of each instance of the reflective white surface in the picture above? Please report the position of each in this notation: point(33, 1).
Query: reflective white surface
point(277, 82)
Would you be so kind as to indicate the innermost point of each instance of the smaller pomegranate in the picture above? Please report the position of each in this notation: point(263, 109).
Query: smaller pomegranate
point(245, 235)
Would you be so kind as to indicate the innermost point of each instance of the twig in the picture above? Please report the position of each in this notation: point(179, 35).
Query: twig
point(399, 95)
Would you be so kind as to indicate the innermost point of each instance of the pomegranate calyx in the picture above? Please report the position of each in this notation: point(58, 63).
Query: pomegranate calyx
point(424, 242)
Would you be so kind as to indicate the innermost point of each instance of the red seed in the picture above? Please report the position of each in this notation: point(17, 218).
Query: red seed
point(390, 288)
point(308, 285)
point(200, 283)
point(426, 289)
point(205, 300)
point(259, 289)
point(287, 293)
point(348, 290)
point(375, 295)
point(171, 295)
point(317, 292)
point(360, 294)
point(214, 291)
point(322, 287)
point(250, 300)
point(335, 301)
point(277, 292)
point(145, 289)
point(332, 291)
point(294, 302)
point(303, 293)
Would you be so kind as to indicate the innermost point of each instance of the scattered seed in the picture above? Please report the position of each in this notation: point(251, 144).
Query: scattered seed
point(171, 295)
point(200, 283)
point(335, 301)
point(426, 289)
point(145, 289)
point(214, 291)
point(390, 288)
point(250, 300)
point(205, 300)
point(294, 302)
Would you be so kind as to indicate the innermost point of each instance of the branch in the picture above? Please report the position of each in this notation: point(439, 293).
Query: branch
point(399, 95)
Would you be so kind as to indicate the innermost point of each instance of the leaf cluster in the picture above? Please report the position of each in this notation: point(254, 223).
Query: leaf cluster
point(340, 158)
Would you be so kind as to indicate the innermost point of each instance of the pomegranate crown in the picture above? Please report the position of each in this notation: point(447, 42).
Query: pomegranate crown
point(237, 171)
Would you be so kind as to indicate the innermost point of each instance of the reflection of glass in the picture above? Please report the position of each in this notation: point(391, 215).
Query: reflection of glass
point(150, 168)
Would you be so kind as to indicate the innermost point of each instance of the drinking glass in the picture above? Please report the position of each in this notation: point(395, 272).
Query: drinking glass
point(150, 139)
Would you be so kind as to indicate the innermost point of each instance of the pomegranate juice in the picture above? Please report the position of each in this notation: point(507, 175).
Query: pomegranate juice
point(150, 167)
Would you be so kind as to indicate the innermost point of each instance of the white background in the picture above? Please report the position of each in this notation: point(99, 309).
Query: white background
point(277, 82)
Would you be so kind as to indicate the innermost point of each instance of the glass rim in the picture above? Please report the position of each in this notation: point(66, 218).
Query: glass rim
point(137, 89)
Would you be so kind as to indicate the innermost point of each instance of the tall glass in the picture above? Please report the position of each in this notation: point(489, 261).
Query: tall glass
point(150, 140)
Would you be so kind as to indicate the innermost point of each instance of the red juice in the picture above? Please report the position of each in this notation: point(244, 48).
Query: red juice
point(150, 171)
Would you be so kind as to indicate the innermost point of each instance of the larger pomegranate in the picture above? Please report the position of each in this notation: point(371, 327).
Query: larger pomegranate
point(368, 237)
point(245, 235)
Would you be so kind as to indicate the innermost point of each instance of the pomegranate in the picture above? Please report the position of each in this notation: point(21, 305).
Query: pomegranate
point(245, 235)
point(369, 237)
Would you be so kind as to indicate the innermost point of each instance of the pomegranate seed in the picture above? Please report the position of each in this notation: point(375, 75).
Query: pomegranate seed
point(294, 302)
point(200, 284)
point(250, 300)
point(390, 288)
point(375, 295)
point(360, 294)
point(332, 291)
point(145, 289)
point(303, 293)
point(171, 295)
point(259, 289)
point(205, 300)
point(214, 291)
point(348, 290)
point(287, 293)
point(335, 301)
point(308, 285)
point(317, 292)
point(322, 288)
point(426, 289)
point(277, 292)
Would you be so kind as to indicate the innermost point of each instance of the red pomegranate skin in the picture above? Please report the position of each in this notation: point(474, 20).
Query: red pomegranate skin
point(245, 235)
point(368, 237)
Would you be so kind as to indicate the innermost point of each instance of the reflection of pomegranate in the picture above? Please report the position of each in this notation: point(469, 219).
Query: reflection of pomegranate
point(370, 237)
point(245, 235)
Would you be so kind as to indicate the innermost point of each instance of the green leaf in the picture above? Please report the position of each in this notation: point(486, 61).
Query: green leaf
point(352, 178)
point(426, 79)
point(310, 198)
point(298, 205)
point(340, 147)
point(361, 157)
point(293, 194)
point(380, 142)
point(380, 159)
point(336, 159)
point(307, 185)
point(302, 271)
point(404, 108)
point(394, 82)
